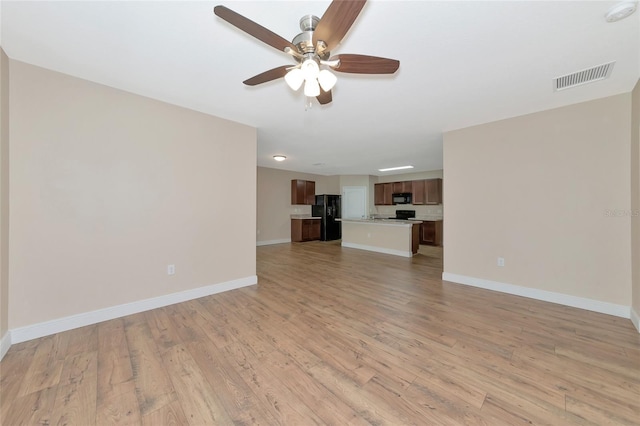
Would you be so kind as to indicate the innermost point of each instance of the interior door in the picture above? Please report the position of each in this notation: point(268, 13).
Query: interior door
point(354, 202)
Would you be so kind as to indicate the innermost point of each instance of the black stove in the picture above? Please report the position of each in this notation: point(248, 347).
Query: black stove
point(404, 215)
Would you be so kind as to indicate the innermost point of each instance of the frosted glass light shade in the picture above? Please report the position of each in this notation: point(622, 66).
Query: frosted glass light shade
point(312, 88)
point(327, 80)
point(294, 78)
point(310, 69)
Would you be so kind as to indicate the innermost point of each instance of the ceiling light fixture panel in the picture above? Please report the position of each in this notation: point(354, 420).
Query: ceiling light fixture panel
point(395, 168)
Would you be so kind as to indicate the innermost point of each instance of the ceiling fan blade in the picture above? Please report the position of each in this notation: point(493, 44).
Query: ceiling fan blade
point(324, 97)
point(267, 76)
point(253, 29)
point(363, 64)
point(336, 21)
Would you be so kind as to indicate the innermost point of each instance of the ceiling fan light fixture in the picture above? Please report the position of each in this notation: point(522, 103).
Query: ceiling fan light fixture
point(310, 69)
point(294, 78)
point(311, 88)
point(327, 80)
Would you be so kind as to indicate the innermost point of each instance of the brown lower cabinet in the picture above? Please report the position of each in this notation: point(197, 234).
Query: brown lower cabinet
point(431, 233)
point(415, 237)
point(305, 229)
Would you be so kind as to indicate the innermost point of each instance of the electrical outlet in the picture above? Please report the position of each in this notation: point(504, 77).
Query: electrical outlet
point(171, 269)
point(501, 261)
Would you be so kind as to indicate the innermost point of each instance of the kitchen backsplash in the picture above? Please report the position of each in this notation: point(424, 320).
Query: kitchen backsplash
point(420, 210)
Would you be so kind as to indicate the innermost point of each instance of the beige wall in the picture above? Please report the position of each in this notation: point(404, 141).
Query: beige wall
point(354, 180)
point(108, 188)
point(274, 207)
point(539, 190)
point(4, 193)
point(433, 174)
point(635, 198)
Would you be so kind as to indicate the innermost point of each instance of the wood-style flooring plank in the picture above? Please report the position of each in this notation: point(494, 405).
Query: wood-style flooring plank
point(153, 385)
point(198, 399)
point(119, 406)
point(12, 373)
point(167, 415)
point(76, 397)
point(334, 336)
point(114, 359)
point(46, 366)
point(32, 409)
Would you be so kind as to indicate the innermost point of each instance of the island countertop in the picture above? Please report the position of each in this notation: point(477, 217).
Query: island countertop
point(385, 222)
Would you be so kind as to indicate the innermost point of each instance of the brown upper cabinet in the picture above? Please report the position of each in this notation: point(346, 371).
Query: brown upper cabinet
point(303, 192)
point(425, 191)
point(399, 187)
point(433, 191)
point(383, 194)
point(417, 189)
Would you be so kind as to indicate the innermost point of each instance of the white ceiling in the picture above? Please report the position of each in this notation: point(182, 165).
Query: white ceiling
point(461, 64)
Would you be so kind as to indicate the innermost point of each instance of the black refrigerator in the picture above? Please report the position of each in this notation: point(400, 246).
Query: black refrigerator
point(328, 208)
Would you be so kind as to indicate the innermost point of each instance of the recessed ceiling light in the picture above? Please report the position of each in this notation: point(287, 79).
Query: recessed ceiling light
point(395, 168)
point(279, 157)
point(621, 11)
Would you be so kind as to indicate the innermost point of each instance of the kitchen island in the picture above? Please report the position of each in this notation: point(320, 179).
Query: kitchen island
point(390, 236)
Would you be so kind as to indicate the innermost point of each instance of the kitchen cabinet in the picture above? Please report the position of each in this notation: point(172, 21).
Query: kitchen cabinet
point(383, 194)
point(427, 191)
point(424, 191)
point(303, 192)
point(399, 187)
point(433, 191)
point(415, 237)
point(431, 232)
point(417, 191)
point(305, 229)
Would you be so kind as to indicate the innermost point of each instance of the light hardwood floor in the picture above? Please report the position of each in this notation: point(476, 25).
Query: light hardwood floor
point(334, 336)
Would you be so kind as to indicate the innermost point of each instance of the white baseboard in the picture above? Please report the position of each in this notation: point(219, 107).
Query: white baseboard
point(635, 319)
point(5, 344)
point(269, 242)
point(35, 331)
point(378, 249)
point(547, 296)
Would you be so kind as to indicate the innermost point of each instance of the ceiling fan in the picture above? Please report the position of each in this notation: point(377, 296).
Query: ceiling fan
point(312, 50)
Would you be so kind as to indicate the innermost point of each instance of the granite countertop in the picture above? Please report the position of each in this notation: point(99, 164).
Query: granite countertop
point(429, 217)
point(304, 216)
point(376, 221)
point(423, 218)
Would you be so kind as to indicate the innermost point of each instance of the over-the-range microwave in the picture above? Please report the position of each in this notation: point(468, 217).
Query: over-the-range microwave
point(401, 198)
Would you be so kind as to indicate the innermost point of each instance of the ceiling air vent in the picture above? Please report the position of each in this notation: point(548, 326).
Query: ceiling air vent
point(583, 77)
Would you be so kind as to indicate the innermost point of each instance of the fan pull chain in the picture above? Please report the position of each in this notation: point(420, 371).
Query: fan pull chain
point(307, 103)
